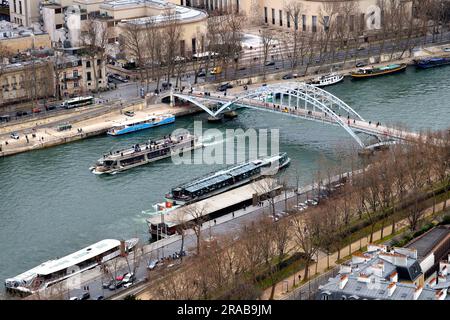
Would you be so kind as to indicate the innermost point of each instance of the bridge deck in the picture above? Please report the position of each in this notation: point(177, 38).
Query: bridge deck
point(356, 125)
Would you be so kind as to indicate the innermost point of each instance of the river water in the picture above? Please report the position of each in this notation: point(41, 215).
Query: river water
point(51, 205)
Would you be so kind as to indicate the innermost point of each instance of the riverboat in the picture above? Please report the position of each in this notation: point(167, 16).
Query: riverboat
point(378, 71)
point(133, 125)
point(141, 154)
point(431, 62)
point(327, 80)
point(227, 179)
point(57, 270)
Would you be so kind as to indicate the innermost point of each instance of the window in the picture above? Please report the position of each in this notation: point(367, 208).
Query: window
point(194, 45)
point(182, 48)
point(352, 23)
point(59, 26)
point(20, 7)
point(280, 13)
point(88, 64)
point(88, 75)
point(15, 7)
point(303, 22)
point(314, 23)
point(99, 62)
point(362, 21)
point(273, 16)
point(58, 10)
point(266, 18)
point(325, 296)
point(288, 19)
point(76, 84)
point(75, 73)
point(326, 23)
point(100, 73)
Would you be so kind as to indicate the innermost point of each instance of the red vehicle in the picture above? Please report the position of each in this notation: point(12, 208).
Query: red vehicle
point(36, 110)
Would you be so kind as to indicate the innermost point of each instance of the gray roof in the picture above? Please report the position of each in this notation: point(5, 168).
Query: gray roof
point(425, 244)
point(378, 290)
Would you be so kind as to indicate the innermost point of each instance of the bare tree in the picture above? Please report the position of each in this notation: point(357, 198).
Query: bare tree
point(95, 40)
point(268, 37)
point(195, 214)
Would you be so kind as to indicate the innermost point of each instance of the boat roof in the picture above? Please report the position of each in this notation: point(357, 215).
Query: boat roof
point(145, 118)
point(389, 66)
point(224, 175)
point(72, 259)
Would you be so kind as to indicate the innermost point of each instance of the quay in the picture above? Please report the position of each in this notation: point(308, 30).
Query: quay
point(85, 123)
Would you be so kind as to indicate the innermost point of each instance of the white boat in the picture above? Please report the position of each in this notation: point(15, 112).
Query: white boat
point(327, 80)
point(54, 271)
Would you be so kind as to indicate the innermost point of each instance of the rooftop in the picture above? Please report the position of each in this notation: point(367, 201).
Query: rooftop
point(425, 243)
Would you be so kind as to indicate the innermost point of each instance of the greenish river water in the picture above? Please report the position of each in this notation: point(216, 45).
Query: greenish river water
point(51, 205)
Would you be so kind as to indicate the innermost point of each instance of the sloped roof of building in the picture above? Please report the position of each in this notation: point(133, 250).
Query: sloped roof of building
point(428, 241)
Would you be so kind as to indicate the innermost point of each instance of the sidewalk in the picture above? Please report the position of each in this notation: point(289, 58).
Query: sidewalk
point(322, 265)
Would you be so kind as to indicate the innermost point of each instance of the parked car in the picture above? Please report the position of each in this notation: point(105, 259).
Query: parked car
point(361, 48)
point(5, 118)
point(74, 298)
point(446, 49)
point(270, 63)
point(21, 113)
point(152, 264)
point(201, 73)
point(361, 64)
point(312, 202)
point(85, 295)
point(129, 113)
point(115, 285)
point(14, 135)
point(36, 110)
point(288, 76)
point(105, 285)
point(224, 87)
point(128, 284)
point(50, 107)
point(100, 298)
point(129, 277)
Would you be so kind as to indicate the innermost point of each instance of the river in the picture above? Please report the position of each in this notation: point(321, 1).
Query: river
point(51, 205)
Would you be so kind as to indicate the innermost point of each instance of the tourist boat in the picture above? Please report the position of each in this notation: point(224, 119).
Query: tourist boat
point(226, 179)
point(378, 71)
point(141, 154)
point(431, 62)
point(54, 271)
point(132, 125)
point(327, 80)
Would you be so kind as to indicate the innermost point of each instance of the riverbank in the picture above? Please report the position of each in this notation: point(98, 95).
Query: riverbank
point(47, 135)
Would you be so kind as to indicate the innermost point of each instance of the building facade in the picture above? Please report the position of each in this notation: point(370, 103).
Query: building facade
point(18, 39)
point(24, 12)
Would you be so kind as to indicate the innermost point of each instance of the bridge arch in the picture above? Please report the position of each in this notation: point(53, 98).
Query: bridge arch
point(318, 98)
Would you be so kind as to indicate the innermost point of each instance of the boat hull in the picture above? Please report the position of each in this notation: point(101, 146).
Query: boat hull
point(432, 64)
point(319, 85)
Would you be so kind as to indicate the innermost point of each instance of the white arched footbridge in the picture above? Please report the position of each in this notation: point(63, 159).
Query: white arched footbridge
point(296, 99)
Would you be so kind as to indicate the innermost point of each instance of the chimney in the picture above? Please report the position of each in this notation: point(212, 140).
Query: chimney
point(417, 292)
point(433, 282)
point(393, 277)
point(441, 294)
point(343, 281)
point(400, 260)
point(363, 278)
point(122, 248)
point(391, 288)
point(345, 269)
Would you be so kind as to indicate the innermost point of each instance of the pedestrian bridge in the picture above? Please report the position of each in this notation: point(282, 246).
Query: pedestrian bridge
point(299, 100)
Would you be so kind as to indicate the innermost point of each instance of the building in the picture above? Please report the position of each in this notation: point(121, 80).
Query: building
point(120, 13)
point(18, 39)
point(24, 12)
point(431, 247)
point(27, 80)
point(76, 75)
point(380, 274)
point(312, 14)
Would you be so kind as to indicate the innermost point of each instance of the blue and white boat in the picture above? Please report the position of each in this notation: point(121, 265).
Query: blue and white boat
point(133, 125)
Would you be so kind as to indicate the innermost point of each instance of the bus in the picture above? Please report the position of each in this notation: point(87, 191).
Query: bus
point(77, 102)
point(204, 55)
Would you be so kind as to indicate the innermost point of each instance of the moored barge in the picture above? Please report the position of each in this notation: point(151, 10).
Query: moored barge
point(371, 72)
